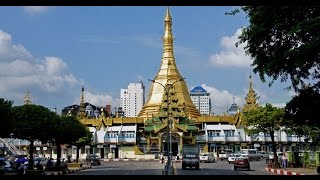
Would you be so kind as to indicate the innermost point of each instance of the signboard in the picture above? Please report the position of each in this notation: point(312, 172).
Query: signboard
point(99, 146)
point(44, 148)
point(243, 144)
point(75, 147)
point(87, 146)
point(38, 148)
point(256, 145)
point(112, 146)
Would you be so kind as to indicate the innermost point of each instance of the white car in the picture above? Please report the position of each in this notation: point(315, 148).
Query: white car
point(232, 158)
point(264, 154)
point(207, 157)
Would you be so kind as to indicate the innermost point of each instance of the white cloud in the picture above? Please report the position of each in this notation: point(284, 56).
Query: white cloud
point(221, 100)
point(230, 55)
point(17, 51)
point(55, 65)
point(20, 71)
point(35, 9)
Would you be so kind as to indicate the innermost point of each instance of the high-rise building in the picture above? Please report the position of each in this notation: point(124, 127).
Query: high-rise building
point(132, 99)
point(201, 99)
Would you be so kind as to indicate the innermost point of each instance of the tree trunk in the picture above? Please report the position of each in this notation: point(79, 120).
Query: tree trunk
point(77, 158)
point(276, 163)
point(31, 147)
point(58, 154)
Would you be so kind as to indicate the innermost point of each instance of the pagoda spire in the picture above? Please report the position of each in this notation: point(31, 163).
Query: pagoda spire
point(82, 112)
point(251, 98)
point(27, 98)
point(168, 74)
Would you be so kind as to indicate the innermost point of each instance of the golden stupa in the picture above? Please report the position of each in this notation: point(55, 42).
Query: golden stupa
point(168, 74)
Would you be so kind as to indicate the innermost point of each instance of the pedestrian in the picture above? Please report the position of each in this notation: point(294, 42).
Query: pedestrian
point(284, 161)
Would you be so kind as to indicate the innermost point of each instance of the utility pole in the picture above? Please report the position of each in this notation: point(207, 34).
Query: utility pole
point(167, 88)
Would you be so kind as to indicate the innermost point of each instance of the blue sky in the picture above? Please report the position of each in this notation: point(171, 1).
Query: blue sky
point(52, 51)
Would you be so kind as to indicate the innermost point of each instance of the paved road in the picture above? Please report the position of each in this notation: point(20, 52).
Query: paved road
point(223, 168)
point(124, 168)
point(156, 168)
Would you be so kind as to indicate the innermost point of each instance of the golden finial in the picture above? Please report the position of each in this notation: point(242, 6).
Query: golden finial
point(168, 16)
point(27, 98)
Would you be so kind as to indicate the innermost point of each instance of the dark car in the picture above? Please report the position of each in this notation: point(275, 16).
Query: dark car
point(2, 165)
point(241, 162)
point(93, 160)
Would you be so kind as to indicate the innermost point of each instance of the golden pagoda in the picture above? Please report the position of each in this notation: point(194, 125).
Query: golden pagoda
point(82, 112)
point(168, 74)
point(251, 98)
point(27, 99)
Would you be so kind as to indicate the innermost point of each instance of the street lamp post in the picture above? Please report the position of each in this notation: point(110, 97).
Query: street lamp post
point(166, 88)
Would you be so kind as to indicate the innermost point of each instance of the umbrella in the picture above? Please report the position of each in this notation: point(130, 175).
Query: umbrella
point(21, 160)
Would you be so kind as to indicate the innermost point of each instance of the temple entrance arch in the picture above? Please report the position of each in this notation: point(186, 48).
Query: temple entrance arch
point(175, 141)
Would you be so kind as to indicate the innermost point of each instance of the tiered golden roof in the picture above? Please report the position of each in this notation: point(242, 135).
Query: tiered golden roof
point(82, 112)
point(251, 98)
point(168, 73)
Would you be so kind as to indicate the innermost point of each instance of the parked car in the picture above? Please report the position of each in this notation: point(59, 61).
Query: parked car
point(250, 154)
point(93, 159)
point(9, 166)
point(41, 160)
point(232, 158)
point(2, 165)
point(207, 157)
point(263, 154)
point(241, 162)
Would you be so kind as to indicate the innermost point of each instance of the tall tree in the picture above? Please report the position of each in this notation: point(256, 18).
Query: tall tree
point(303, 112)
point(34, 122)
point(7, 121)
point(69, 130)
point(267, 119)
point(284, 43)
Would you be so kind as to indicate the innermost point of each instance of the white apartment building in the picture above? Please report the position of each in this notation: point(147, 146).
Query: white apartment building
point(132, 99)
point(201, 99)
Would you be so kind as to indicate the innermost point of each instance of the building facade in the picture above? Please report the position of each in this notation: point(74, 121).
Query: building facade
point(201, 99)
point(132, 99)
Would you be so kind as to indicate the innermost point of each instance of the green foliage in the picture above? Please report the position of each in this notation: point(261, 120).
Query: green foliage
point(303, 111)
point(284, 43)
point(6, 118)
point(69, 130)
point(34, 122)
point(85, 139)
point(264, 119)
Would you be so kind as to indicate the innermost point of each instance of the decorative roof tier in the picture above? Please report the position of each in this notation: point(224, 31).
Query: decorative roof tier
point(168, 74)
point(251, 98)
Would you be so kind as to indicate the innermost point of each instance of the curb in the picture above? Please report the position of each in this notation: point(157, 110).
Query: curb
point(283, 172)
point(70, 171)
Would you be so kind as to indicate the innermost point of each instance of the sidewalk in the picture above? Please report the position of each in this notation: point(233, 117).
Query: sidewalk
point(294, 171)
